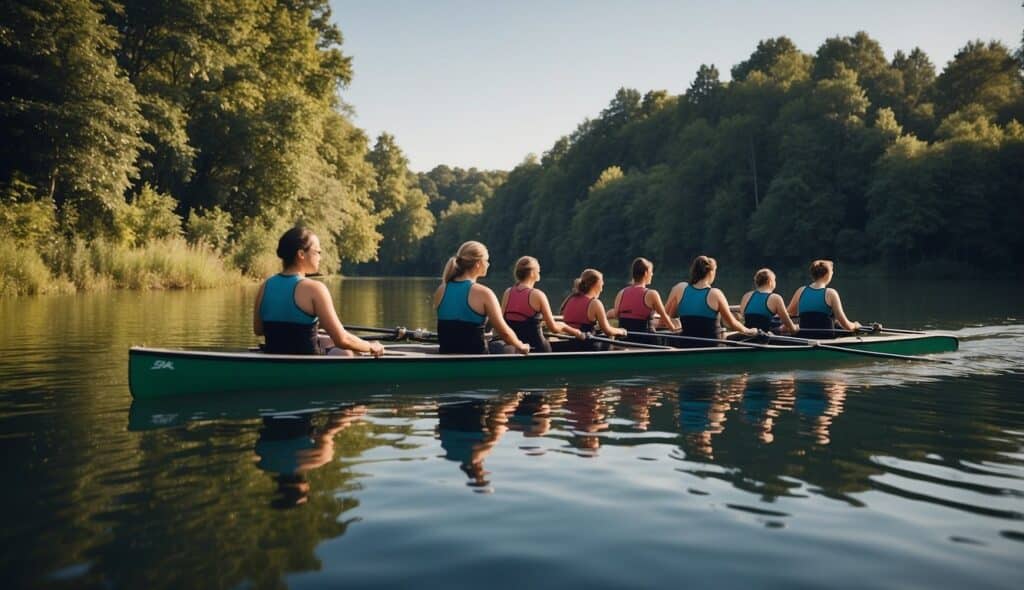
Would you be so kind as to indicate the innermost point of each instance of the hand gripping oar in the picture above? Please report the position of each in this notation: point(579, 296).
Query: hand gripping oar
point(889, 355)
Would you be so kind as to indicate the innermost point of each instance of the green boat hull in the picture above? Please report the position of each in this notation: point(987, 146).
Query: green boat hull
point(161, 373)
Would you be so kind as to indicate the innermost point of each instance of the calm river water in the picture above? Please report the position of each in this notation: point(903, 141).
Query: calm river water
point(866, 475)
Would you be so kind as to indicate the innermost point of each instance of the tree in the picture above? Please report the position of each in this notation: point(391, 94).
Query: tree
point(705, 89)
point(982, 74)
point(72, 118)
point(390, 167)
point(765, 57)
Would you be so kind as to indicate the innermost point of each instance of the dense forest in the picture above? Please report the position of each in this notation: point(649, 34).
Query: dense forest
point(841, 154)
point(167, 143)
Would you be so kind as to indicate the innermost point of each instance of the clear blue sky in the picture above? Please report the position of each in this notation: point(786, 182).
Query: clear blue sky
point(483, 83)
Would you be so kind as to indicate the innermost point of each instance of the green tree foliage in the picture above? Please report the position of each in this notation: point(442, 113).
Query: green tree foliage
point(71, 117)
point(150, 216)
point(211, 228)
point(841, 154)
point(228, 105)
point(984, 74)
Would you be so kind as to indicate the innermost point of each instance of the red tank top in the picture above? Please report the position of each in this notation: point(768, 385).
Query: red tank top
point(518, 308)
point(575, 312)
point(632, 305)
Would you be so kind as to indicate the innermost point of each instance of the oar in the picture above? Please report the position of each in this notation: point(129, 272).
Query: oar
point(862, 330)
point(374, 329)
point(681, 338)
point(874, 328)
point(590, 336)
point(888, 355)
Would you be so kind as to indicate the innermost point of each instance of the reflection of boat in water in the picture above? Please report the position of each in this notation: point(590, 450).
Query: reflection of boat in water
point(162, 373)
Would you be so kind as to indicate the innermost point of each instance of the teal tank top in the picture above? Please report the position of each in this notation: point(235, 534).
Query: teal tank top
point(455, 304)
point(813, 301)
point(695, 303)
point(278, 303)
point(758, 304)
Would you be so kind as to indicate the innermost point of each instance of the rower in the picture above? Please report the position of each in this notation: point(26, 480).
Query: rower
point(289, 307)
point(524, 307)
point(819, 306)
point(584, 311)
point(761, 306)
point(636, 304)
point(699, 305)
point(463, 305)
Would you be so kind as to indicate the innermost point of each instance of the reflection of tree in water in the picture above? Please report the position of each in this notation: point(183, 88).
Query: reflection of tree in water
point(201, 498)
point(469, 430)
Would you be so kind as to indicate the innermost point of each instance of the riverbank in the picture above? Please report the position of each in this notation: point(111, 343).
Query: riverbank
point(79, 266)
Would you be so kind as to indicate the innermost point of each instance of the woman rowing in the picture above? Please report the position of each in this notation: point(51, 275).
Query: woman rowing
point(463, 305)
point(699, 305)
point(584, 311)
point(819, 306)
point(290, 308)
point(636, 303)
point(760, 306)
point(525, 307)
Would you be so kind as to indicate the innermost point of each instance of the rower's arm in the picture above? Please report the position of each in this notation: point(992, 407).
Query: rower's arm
point(743, 302)
point(837, 311)
point(653, 301)
point(778, 306)
point(492, 309)
point(614, 311)
point(438, 295)
point(729, 319)
point(674, 297)
point(794, 302)
point(601, 318)
point(257, 321)
point(549, 318)
point(323, 307)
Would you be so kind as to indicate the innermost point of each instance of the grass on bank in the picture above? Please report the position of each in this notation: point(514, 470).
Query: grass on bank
point(169, 263)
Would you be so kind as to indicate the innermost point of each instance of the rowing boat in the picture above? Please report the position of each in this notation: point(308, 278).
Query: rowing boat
point(156, 372)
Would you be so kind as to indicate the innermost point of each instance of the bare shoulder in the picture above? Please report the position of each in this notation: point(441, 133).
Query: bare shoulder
point(313, 287)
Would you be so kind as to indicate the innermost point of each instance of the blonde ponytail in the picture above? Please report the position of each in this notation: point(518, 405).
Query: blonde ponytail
point(468, 255)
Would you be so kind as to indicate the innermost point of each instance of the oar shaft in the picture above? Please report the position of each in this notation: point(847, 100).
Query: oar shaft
point(615, 342)
point(371, 329)
point(681, 338)
point(846, 349)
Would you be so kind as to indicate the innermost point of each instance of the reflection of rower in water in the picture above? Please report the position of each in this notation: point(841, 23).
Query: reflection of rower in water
point(586, 413)
point(639, 401)
point(818, 403)
point(532, 416)
point(761, 405)
point(702, 408)
point(291, 445)
point(469, 431)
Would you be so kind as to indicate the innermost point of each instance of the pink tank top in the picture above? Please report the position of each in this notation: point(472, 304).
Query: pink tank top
point(631, 304)
point(575, 312)
point(518, 308)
